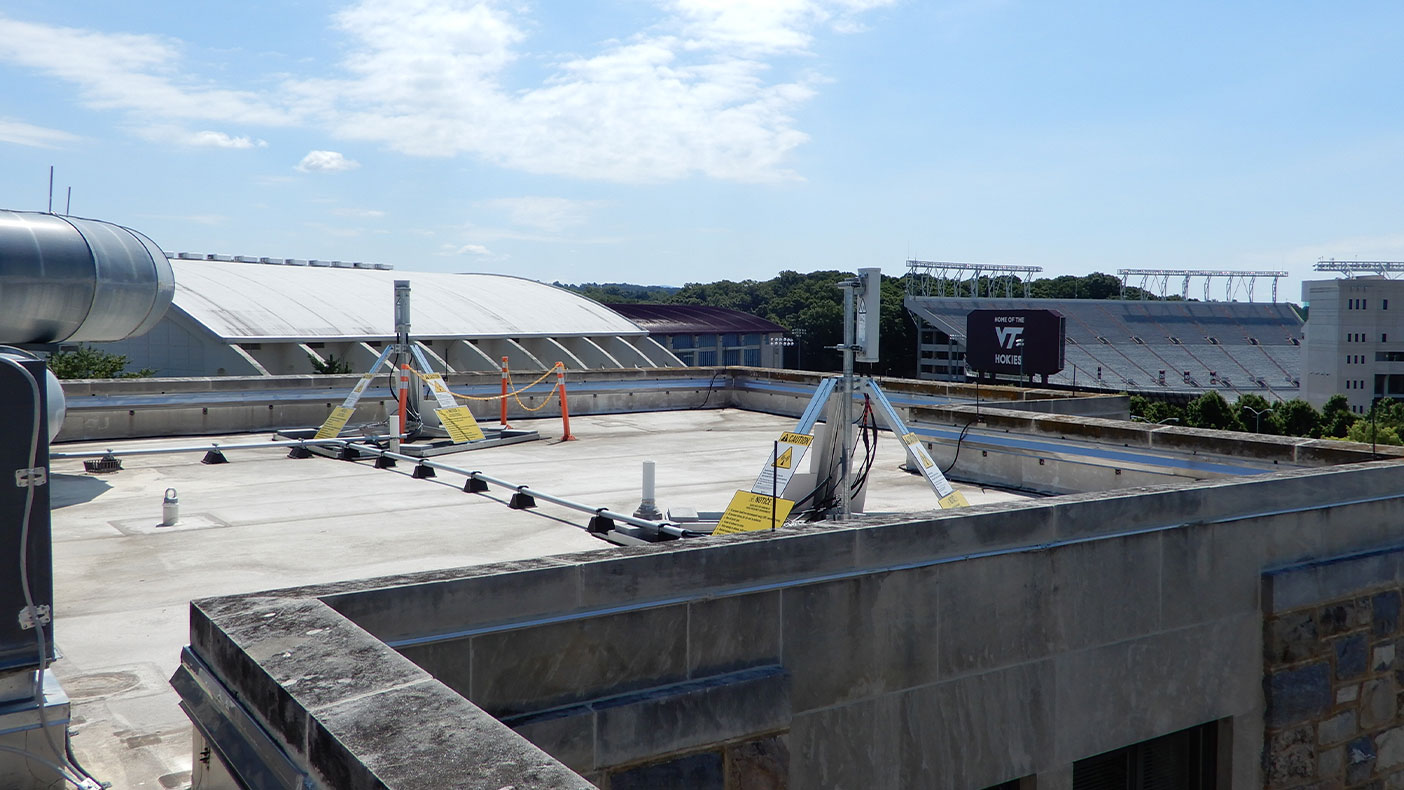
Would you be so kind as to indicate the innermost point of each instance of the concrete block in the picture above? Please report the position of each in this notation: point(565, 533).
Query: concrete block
point(719, 563)
point(1295, 695)
point(450, 662)
point(726, 634)
point(426, 736)
point(1160, 683)
point(1290, 638)
point(978, 730)
point(1360, 760)
point(1390, 748)
point(857, 637)
point(825, 754)
point(1379, 702)
point(1291, 757)
point(476, 596)
point(691, 715)
point(1108, 590)
point(531, 669)
point(762, 764)
point(1209, 571)
point(971, 532)
point(1337, 729)
point(995, 612)
point(1384, 613)
point(1352, 656)
point(693, 772)
point(567, 734)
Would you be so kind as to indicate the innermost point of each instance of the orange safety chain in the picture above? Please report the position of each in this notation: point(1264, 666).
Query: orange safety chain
point(558, 390)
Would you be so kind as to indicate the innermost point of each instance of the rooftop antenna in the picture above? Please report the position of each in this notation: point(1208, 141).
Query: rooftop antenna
point(68, 206)
point(51, 189)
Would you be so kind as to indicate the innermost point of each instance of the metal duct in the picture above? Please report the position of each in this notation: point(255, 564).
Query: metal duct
point(80, 280)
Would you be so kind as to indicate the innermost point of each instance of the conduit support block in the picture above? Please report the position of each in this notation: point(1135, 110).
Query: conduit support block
point(299, 452)
point(348, 453)
point(421, 472)
point(214, 457)
point(522, 500)
point(384, 462)
point(475, 486)
point(599, 525)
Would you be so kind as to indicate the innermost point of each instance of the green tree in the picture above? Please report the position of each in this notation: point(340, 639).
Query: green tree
point(1258, 415)
point(1336, 416)
point(1367, 433)
point(1210, 410)
point(86, 362)
point(331, 367)
point(1298, 418)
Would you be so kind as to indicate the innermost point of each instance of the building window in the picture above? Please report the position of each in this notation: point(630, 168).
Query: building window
point(752, 339)
point(731, 356)
point(682, 341)
point(706, 359)
point(1384, 338)
point(731, 340)
point(1384, 304)
point(752, 357)
point(1186, 759)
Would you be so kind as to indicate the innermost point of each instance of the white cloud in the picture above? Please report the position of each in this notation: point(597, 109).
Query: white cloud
point(710, 88)
point(222, 140)
point(464, 249)
point(550, 214)
point(21, 133)
point(361, 213)
point(326, 162)
point(133, 73)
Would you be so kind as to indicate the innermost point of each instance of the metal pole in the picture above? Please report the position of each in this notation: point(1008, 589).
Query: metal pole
point(402, 354)
point(845, 426)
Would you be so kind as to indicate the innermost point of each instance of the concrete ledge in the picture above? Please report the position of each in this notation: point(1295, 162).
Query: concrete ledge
point(661, 721)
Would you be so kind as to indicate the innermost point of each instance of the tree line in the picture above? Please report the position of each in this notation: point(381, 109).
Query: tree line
point(1253, 413)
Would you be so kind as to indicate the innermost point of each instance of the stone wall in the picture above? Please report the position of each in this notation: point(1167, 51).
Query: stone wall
point(1331, 635)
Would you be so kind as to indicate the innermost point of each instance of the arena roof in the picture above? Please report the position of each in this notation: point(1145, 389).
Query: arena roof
point(258, 302)
point(668, 319)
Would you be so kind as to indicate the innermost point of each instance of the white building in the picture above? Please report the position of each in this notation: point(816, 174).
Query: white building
point(274, 318)
point(1354, 340)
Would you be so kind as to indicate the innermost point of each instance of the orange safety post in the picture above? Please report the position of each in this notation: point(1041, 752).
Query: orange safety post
point(404, 394)
point(565, 410)
point(505, 377)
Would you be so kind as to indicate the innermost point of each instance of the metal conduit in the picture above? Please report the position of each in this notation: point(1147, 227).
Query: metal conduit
point(216, 446)
point(658, 526)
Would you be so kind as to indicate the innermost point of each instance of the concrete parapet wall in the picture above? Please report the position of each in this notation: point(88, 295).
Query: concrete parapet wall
point(963, 650)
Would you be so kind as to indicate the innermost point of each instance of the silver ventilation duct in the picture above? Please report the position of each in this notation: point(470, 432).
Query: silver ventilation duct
point(78, 280)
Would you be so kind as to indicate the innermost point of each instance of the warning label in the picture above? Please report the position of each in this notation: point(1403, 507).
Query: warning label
point(783, 461)
point(332, 427)
point(439, 390)
point(749, 512)
point(946, 495)
point(459, 423)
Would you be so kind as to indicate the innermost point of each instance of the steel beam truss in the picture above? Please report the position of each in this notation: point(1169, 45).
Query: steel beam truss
point(1236, 283)
point(941, 278)
point(1352, 268)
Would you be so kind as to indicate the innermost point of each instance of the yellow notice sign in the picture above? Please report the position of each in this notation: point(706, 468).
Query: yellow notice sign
point(332, 427)
point(956, 499)
point(750, 512)
point(459, 423)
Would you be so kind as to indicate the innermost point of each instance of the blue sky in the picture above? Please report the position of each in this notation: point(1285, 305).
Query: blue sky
point(673, 141)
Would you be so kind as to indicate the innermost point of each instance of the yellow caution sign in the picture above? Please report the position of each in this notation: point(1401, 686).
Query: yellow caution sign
point(332, 427)
point(459, 423)
point(780, 466)
point(749, 512)
point(946, 496)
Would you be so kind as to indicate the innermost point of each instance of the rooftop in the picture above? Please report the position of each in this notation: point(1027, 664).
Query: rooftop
point(264, 521)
